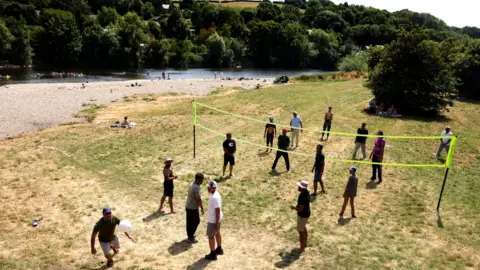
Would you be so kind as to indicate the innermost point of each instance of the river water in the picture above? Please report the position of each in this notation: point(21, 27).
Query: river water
point(29, 75)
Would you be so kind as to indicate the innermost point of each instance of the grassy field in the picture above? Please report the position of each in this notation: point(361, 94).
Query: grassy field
point(67, 174)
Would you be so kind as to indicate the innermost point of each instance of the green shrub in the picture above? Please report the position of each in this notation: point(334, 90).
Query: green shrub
point(354, 62)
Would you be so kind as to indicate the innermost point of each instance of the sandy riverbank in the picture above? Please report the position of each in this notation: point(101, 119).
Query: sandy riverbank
point(29, 107)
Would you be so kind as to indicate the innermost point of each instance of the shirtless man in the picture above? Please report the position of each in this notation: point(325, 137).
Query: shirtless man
point(270, 133)
point(327, 125)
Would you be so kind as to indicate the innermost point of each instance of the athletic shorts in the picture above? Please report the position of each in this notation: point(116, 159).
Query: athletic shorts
point(107, 246)
point(211, 229)
point(317, 178)
point(228, 159)
point(270, 138)
point(301, 223)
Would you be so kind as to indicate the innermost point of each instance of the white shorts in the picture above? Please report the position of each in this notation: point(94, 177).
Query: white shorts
point(107, 246)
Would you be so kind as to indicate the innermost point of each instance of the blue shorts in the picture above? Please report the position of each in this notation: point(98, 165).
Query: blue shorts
point(317, 178)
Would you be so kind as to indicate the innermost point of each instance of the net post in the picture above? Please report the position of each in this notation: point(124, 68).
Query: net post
point(441, 192)
point(194, 108)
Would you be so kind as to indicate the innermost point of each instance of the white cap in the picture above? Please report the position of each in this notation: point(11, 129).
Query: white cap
point(295, 112)
point(303, 184)
point(212, 184)
point(168, 159)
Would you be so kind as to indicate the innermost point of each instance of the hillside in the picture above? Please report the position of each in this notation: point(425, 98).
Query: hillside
point(68, 174)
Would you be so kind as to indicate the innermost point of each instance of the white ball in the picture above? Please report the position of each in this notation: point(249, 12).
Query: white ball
point(125, 225)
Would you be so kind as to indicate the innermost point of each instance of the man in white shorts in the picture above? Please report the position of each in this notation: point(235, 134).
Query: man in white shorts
point(105, 228)
point(215, 217)
point(296, 125)
point(444, 142)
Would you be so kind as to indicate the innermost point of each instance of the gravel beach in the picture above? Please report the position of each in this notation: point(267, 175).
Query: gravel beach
point(29, 107)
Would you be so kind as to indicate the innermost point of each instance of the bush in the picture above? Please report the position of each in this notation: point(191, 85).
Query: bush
point(310, 78)
point(354, 62)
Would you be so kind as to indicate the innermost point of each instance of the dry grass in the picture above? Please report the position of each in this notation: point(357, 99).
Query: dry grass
point(69, 173)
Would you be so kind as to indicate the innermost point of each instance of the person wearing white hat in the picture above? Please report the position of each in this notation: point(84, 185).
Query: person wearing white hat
point(444, 142)
point(303, 213)
point(168, 184)
point(215, 217)
point(350, 192)
point(296, 126)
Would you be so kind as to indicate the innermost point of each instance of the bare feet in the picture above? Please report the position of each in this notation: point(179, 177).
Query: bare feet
point(173, 212)
point(159, 209)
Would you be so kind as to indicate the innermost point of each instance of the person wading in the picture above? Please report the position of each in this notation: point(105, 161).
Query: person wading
point(105, 228)
point(303, 213)
point(194, 201)
point(283, 142)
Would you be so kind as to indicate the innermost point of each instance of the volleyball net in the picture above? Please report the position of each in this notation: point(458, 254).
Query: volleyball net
point(400, 150)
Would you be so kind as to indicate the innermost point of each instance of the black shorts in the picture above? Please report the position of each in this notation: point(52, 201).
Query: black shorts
point(168, 189)
point(228, 159)
point(270, 138)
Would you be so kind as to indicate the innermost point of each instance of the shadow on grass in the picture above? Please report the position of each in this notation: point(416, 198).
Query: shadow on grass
point(221, 179)
point(154, 216)
point(101, 267)
point(275, 173)
point(179, 247)
point(287, 258)
point(344, 221)
point(371, 185)
point(428, 119)
point(263, 153)
point(439, 220)
point(200, 264)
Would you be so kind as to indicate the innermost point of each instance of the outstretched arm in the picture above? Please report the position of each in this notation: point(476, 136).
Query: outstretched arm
point(92, 242)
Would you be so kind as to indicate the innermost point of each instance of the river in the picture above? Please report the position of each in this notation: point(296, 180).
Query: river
point(29, 75)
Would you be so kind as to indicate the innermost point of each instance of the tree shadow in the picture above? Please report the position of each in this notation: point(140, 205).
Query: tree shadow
point(470, 101)
point(179, 247)
point(200, 264)
point(287, 258)
point(344, 221)
point(439, 220)
point(371, 185)
point(154, 216)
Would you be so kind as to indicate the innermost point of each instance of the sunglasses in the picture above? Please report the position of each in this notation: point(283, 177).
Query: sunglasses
point(107, 214)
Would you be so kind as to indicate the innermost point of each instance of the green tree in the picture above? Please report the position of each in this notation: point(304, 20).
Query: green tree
point(132, 38)
point(176, 26)
point(21, 51)
point(297, 3)
point(148, 11)
point(296, 49)
point(267, 11)
point(216, 50)
point(154, 29)
point(326, 47)
point(248, 14)
point(204, 15)
point(100, 47)
point(264, 42)
point(412, 75)
point(60, 43)
point(329, 21)
point(354, 62)
point(187, 4)
point(291, 13)
point(107, 15)
point(467, 70)
point(6, 39)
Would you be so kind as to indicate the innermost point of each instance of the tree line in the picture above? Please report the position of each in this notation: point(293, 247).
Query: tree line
point(153, 33)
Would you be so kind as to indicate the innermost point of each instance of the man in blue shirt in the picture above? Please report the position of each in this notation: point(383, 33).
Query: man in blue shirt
point(296, 125)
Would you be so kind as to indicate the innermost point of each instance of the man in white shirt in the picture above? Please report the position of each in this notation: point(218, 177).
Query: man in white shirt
point(444, 142)
point(215, 217)
point(295, 124)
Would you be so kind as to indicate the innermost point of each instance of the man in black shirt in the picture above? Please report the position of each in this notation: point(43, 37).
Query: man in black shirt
point(360, 141)
point(105, 228)
point(303, 213)
point(269, 133)
point(283, 143)
point(229, 149)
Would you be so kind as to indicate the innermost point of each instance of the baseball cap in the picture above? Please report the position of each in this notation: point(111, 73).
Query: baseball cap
point(303, 184)
point(447, 127)
point(107, 210)
point(212, 184)
point(295, 112)
point(271, 117)
point(199, 176)
point(285, 130)
point(168, 159)
point(353, 168)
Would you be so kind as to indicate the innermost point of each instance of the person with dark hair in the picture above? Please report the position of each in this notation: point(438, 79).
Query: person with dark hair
point(229, 149)
point(360, 141)
point(327, 124)
point(350, 192)
point(270, 133)
point(377, 156)
point(444, 142)
point(283, 142)
point(168, 184)
point(105, 228)
point(318, 170)
point(194, 201)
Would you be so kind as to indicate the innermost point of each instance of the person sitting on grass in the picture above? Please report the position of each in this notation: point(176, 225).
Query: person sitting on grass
point(105, 228)
point(350, 192)
point(380, 108)
point(168, 185)
point(318, 170)
point(392, 110)
point(125, 123)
